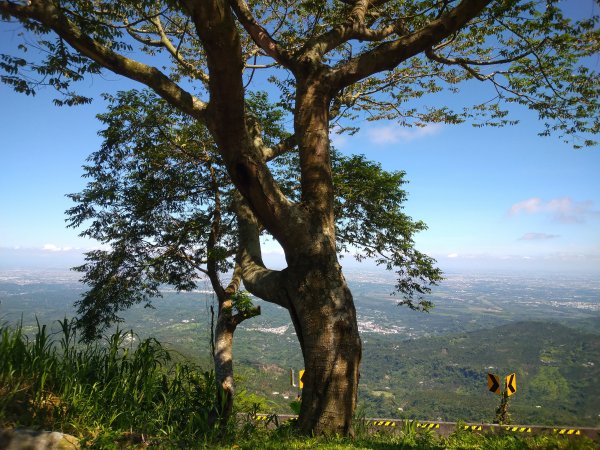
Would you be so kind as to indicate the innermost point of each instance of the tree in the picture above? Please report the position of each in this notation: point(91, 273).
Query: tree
point(159, 197)
point(330, 61)
point(156, 197)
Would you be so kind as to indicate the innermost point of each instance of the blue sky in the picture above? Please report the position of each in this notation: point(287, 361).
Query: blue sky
point(493, 198)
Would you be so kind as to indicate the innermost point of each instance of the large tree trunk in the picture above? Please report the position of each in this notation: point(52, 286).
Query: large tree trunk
point(321, 305)
point(314, 291)
point(324, 316)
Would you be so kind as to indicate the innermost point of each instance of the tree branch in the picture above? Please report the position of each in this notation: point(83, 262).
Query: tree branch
point(217, 30)
point(48, 15)
point(390, 54)
point(166, 42)
point(286, 145)
point(467, 63)
point(259, 34)
point(260, 281)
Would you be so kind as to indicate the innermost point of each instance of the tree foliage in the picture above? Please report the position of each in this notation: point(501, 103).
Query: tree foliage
point(153, 188)
point(531, 52)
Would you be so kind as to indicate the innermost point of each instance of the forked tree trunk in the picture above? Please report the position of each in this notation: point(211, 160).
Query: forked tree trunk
point(324, 316)
point(321, 307)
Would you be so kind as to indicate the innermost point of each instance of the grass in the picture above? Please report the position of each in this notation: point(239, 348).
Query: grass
point(126, 393)
point(111, 387)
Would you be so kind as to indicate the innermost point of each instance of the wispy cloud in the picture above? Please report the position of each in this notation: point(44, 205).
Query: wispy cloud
point(537, 236)
point(563, 210)
point(56, 248)
point(391, 134)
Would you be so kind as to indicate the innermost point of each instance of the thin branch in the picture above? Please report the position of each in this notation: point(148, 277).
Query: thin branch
point(388, 55)
point(259, 34)
point(467, 63)
point(285, 146)
point(166, 42)
point(47, 14)
point(144, 40)
point(538, 59)
point(248, 314)
point(472, 62)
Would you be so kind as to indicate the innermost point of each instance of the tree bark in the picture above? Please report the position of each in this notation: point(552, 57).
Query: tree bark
point(324, 316)
point(226, 325)
point(319, 300)
point(223, 360)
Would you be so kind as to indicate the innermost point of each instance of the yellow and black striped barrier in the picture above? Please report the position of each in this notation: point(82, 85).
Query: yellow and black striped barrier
point(382, 423)
point(567, 431)
point(447, 428)
point(518, 429)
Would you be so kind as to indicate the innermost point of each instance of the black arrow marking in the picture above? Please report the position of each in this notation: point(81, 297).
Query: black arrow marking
point(493, 383)
point(510, 385)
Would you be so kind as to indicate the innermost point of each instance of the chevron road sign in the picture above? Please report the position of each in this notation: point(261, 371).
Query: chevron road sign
point(511, 384)
point(494, 383)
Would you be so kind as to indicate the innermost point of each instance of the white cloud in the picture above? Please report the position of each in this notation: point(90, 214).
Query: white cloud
point(56, 248)
point(537, 236)
point(390, 134)
point(531, 206)
point(563, 210)
point(452, 255)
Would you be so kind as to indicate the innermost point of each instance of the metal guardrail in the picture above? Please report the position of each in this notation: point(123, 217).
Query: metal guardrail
point(447, 428)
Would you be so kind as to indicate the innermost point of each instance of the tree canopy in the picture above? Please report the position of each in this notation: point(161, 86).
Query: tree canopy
point(380, 56)
point(157, 182)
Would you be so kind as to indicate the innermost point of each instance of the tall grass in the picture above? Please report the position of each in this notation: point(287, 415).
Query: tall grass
point(107, 388)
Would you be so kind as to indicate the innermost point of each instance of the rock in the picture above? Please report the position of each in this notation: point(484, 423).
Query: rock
point(36, 440)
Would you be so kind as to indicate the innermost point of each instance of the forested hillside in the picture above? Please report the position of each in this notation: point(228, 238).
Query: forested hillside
point(444, 378)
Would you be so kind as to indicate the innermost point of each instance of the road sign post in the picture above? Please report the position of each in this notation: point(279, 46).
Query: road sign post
point(510, 387)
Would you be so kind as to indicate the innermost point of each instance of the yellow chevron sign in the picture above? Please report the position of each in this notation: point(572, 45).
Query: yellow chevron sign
point(511, 384)
point(301, 379)
point(494, 383)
